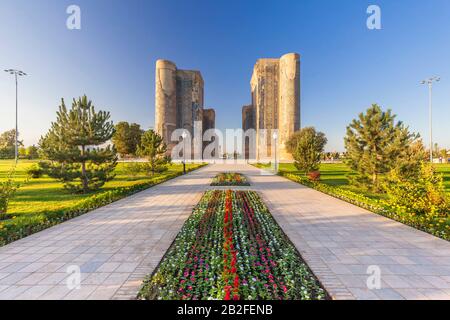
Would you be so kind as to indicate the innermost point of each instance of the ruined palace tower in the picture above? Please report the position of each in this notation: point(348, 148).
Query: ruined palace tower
point(179, 102)
point(275, 88)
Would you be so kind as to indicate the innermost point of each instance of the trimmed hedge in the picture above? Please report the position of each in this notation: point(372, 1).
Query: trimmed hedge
point(438, 226)
point(27, 224)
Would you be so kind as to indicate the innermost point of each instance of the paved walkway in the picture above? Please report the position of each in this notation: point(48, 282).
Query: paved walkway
point(117, 245)
point(114, 246)
point(340, 241)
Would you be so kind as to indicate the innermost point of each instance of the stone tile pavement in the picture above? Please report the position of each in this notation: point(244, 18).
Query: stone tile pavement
point(114, 247)
point(117, 245)
point(343, 244)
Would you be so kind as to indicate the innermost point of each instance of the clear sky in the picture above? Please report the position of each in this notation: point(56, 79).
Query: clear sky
point(345, 66)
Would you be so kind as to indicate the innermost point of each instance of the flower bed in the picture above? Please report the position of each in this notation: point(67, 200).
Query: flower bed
point(230, 179)
point(231, 248)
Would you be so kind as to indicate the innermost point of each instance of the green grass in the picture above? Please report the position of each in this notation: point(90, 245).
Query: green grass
point(335, 174)
point(445, 170)
point(46, 194)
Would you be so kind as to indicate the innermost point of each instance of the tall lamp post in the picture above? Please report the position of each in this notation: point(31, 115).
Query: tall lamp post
point(184, 135)
point(430, 82)
point(16, 73)
point(275, 138)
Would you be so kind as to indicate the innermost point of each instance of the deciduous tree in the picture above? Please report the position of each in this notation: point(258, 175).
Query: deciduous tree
point(306, 147)
point(7, 144)
point(127, 138)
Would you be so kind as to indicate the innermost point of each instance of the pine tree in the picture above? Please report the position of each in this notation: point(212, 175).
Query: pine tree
point(154, 149)
point(73, 147)
point(375, 144)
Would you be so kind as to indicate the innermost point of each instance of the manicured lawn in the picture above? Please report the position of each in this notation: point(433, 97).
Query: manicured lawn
point(445, 170)
point(335, 174)
point(47, 194)
point(231, 248)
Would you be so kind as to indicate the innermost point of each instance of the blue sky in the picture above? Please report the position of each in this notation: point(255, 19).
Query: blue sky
point(345, 67)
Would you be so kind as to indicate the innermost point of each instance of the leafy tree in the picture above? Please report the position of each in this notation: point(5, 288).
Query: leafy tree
point(73, 147)
point(154, 149)
point(8, 143)
point(307, 147)
point(127, 138)
point(375, 143)
point(32, 152)
point(22, 153)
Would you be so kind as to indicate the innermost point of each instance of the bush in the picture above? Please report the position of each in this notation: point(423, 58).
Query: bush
point(136, 168)
point(35, 171)
point(133, 168)
point(314, 175)
point(423, 195)
point(7, 190)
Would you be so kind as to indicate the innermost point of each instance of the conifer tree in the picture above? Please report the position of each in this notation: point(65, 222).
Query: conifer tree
point(375, 144)
point(73, 146)
point(154, 149)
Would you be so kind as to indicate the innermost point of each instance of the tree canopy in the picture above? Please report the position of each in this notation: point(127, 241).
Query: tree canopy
point(306, 147)
point(127, 137)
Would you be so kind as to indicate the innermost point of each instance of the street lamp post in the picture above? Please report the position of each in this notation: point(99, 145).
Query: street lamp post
point(275, 137)
point(16, 73)
point(184, 135)
point(430, 82)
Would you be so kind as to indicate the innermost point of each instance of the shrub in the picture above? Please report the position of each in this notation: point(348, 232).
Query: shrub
point(7, 190)
point(314, 175)
point(35, 171)
point(423, 195)
point(133, 168)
